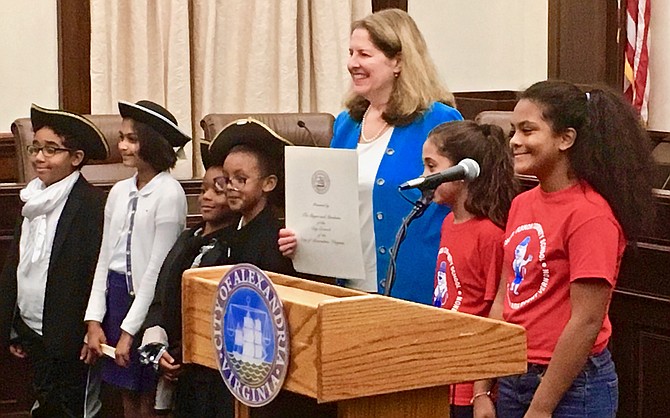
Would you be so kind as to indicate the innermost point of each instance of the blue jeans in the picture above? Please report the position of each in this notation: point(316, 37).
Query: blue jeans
point(594, 392)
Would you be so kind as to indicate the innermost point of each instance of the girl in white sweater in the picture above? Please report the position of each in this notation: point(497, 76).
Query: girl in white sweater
point(144, 215)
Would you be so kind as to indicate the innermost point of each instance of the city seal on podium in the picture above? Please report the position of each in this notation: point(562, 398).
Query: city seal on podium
point(250, 335)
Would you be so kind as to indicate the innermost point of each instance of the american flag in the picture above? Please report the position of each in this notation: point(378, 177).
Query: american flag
point(636, 71)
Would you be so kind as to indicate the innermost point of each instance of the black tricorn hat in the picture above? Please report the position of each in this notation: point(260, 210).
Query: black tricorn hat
point(92, 140)
point(156, 116)
point(246, 131)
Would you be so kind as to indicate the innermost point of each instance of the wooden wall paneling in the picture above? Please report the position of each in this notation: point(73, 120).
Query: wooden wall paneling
point(15, 387)
point(389, 4)
point(8, 165)
point(74, 55)
point(584, 45)
point(641, 351)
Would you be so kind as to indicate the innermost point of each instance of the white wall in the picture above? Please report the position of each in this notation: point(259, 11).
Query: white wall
point(481, 45)
point(29, 52)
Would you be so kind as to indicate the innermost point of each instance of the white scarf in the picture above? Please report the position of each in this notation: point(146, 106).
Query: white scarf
point(39, 202)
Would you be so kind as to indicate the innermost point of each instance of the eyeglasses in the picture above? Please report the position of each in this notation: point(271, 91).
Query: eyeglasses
point(236, 182)
point(47, 150)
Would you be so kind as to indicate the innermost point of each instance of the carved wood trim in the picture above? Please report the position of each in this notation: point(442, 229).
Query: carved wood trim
point(378, 5)
point(74, 55)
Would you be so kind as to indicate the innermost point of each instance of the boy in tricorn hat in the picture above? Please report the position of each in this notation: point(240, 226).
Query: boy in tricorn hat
point(252, 155)
point(200, 246)
point(47, 278)
point(253, 171)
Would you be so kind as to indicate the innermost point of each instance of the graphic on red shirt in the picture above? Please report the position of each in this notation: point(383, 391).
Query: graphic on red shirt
point(441, 293)
point(528, 243)
point(519, 264)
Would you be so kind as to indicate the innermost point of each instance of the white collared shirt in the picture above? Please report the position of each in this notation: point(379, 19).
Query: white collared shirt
point(159, 219)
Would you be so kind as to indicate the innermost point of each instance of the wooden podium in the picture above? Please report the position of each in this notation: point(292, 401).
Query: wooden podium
point(374, 356)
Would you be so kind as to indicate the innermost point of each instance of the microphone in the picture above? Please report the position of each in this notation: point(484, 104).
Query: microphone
point(303, 125)
point(467, 169)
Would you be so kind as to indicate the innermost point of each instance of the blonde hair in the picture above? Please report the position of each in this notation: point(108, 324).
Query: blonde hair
point(418, 85)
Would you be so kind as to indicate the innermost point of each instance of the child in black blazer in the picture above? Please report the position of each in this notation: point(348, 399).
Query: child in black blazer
point(46, 281)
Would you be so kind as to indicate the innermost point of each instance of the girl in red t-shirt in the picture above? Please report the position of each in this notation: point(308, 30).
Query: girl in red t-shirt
point(563, 244)
point(470, 254)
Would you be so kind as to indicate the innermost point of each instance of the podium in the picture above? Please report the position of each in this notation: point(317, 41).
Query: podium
point(371, 355)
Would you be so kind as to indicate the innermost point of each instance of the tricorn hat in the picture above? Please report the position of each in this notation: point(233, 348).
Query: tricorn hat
point(246, 131)
point(156, 116)
point(91, 139)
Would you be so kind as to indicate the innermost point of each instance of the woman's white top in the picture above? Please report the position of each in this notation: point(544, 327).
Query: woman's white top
point(369, 157)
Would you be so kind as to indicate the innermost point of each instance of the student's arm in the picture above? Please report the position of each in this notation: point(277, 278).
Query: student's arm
point(483, 406)
point(170, 220)
point(593, 270)
point(589, 299)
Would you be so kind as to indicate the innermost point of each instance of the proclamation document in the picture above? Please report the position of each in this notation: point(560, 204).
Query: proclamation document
point(322, 209)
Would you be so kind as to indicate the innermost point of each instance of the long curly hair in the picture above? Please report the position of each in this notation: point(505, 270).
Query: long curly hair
point(489, 195)
point(611, 152)
point(418, 85)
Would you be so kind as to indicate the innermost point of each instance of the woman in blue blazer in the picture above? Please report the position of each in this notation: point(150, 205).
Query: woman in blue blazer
point(395, 100)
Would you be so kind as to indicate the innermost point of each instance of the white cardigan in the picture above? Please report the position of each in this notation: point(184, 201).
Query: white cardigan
point(159, 219)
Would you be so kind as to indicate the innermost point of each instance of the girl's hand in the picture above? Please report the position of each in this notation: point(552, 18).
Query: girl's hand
point(170, 370)
point(123, 349)
point(17, 351)
point(483, 407)
point(94, 337)
point(87, 355)
point(287, 242)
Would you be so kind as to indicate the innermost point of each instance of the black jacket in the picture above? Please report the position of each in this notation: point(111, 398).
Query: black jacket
point(255, 243)
point(74, 255)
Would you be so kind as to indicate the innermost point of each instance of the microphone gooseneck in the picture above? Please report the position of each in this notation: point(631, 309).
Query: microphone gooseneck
point(303, 125)
point(419, 208)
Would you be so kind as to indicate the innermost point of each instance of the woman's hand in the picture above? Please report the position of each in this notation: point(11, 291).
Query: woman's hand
point(17, 351)
point(170, 370)
point(287, 242)
point(483, 407)
point(123, 349)
point(94, 337)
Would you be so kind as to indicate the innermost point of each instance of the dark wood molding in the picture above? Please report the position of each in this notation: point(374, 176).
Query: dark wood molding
point(74, 55)
point(586, 41)
point(378, 5)
point(8, 162)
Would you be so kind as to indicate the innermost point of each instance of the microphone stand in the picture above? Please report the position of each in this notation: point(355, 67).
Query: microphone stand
point(419, 208)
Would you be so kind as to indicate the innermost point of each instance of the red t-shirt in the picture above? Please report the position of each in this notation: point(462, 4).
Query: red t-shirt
point(553, 239)
point(467, 274)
